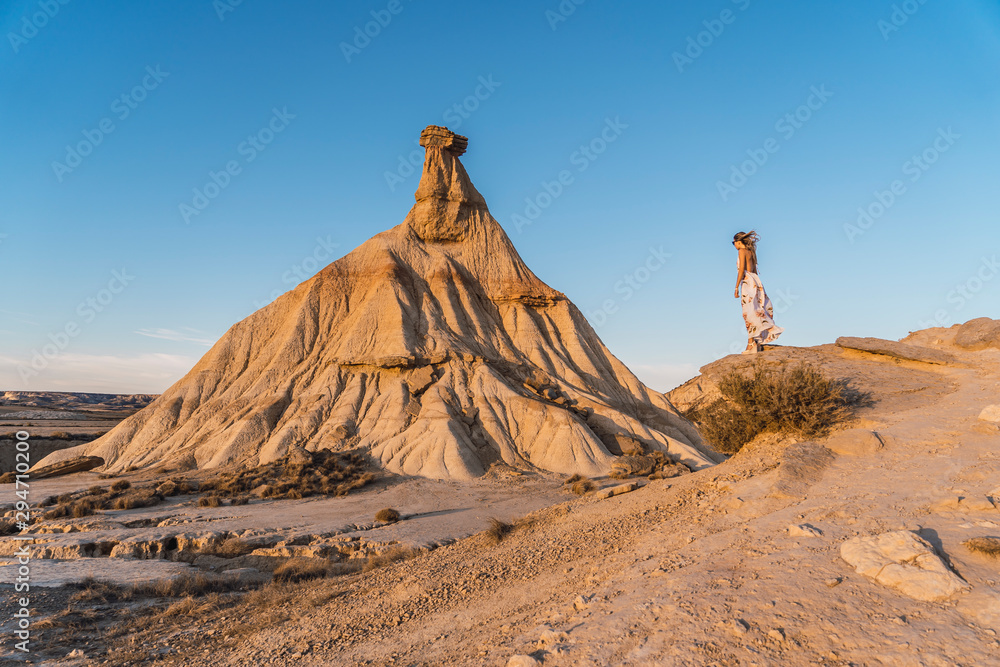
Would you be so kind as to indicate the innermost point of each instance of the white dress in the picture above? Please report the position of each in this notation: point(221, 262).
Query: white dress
point(758, 314)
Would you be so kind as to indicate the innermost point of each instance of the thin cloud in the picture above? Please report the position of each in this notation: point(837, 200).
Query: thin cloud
point(109, 374)
point(179, 336)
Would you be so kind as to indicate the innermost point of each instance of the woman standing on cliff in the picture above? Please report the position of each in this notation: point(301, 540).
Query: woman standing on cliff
point(758, 314)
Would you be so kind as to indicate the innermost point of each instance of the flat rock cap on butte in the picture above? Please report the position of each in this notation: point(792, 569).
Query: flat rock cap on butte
point(435, 135)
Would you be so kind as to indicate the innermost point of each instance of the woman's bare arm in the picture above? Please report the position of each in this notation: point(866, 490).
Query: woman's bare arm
point(741, 272)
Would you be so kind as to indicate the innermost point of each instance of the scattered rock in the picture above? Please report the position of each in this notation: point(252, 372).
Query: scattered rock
point(581, 602)
point(777, 634)
point(420, 379)
point(604, 494)
point(991, 413)
point(550, 637)
point(963, 504)
point(804, 530)
point(737, 626)
point(905, 562)
point(299, 456)
point(854, 442)
point(522, 661)
point(836, 581)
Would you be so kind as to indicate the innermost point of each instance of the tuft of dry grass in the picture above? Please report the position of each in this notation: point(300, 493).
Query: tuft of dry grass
point(498, 530)
point(797, 399)
point(121, 485)
point(387, 515)
point(582, 486)
point(392, 555)
point(987, 546)
point(210, 501)
point(574, 478)
point(299, 569)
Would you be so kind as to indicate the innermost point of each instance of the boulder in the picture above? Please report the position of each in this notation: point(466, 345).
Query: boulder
point(978, 334)
point(905, 562)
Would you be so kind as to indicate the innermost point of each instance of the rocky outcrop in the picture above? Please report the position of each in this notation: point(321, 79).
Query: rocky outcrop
point(903, 561)
point(67, 467)
point(432, 347)
point(891, 348)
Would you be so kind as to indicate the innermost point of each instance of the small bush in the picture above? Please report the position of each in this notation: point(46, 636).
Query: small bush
point(82, 508)
point(241, 500)
point(121, 485)
point(138, 498)
point(799, 399)
point(574, 478)
point(209, 501)
point(988, 546)
point(60, 435)
point(498, 530)
point(387, 515)
point(582, 487)
point(232, 547)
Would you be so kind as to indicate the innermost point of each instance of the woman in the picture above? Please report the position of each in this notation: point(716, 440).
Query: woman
point(758, 313)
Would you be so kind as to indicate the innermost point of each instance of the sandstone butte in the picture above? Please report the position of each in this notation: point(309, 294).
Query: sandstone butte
point(432, 346)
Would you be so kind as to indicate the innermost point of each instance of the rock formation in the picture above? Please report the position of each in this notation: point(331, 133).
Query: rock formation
point(432, 346)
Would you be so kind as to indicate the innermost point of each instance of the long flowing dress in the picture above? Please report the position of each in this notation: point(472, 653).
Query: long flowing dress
point(758, 313)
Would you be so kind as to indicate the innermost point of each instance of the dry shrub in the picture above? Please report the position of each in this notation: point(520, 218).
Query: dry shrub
point(121, 485)
point(210, 501)
point(82, 508)
point(582, 487)
point(988, 546)
point(387, 515)
point(145, 497)
point(60, 435)
point(498, 530)
point(799, 399)
point(299, 569)
point(240, 500)
point(574, 478)
point(329, 473)
point(8, 478)
point(232, 547)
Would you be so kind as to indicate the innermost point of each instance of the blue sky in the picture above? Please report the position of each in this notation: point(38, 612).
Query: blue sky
point(881, 96)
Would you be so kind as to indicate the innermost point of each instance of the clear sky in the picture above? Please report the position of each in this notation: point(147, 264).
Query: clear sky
point(679, 124)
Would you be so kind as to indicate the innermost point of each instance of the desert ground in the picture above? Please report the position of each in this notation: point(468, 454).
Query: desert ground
point(737, 564)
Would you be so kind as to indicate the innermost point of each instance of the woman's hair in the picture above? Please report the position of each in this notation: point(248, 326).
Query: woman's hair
point(749, 240)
